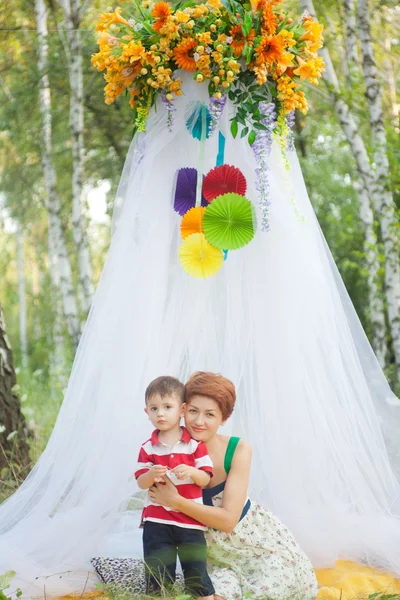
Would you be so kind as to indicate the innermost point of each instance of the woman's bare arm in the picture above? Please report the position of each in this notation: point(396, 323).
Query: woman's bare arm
point(224, 518)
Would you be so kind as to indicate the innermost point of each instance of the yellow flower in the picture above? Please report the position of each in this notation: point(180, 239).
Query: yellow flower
point(108, 19)
point(311, 69)
point(290, 96)
point(132, 52)
point(215, 4)
point(261, 73)
point(182, 17)
point(217, 56)
point(313, 34)
point(170, 29)
point(204, 38)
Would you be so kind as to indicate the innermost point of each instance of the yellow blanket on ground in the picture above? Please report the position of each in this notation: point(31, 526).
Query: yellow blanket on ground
point(347, 581)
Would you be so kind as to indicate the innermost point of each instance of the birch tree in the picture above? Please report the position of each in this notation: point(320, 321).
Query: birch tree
point(13, 434)
point(351, 131)
point(22, 298)
point(53, 202)
point(72, 21)
point(351, 40)
point(381, 190)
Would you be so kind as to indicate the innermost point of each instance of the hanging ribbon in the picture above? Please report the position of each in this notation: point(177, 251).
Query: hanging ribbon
point(221, 150)
point(200, 165)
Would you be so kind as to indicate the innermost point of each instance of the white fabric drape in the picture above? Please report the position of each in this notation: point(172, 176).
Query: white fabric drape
point(276, 320)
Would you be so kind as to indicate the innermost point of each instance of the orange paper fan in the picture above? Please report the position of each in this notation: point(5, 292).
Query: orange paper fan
point(192, 221)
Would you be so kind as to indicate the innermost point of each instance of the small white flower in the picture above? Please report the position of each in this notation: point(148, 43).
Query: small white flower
point(229, 40)
point(2, 428)
point(11, 435)
point(132, 22)
point(138, 26)
point(196, 56)
point(208, 49)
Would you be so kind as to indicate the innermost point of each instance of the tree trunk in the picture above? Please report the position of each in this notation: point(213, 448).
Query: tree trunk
point(53, 203)
point(22, 298)
point(383, 197)
point(375, 296)
point(72, 21)
point(13, 434)
point(350, 129)
point(351, 40)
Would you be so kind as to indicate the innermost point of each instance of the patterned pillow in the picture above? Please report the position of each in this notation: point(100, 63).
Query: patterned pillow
point(126, 574)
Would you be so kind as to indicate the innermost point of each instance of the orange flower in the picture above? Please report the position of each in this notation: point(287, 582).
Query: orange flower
point(269, 19)
point(161, 12)
point(183, 54)
point(238, 39)
point(271, 49)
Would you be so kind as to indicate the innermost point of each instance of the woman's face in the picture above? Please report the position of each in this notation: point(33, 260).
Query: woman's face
point(203, 417)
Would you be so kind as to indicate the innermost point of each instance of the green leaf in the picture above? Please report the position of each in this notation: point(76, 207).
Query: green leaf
point(244, 132)
point(234, 128)
point(252, 137)
point(6, 579)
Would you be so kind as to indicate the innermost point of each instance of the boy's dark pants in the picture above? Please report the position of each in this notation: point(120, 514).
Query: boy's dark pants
point(162, 544)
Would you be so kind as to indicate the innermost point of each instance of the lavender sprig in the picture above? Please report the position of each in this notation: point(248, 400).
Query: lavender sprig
point(290, 121)
point(262, 150)
point(170, 108)
point(216, 108)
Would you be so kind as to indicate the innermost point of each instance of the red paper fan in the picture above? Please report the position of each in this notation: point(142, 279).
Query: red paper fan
point(223, 180)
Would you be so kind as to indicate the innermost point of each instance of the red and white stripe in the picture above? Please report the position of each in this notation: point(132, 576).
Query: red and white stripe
point(186, 451)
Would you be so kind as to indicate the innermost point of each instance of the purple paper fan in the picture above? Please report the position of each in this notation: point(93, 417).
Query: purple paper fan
point(185, 191)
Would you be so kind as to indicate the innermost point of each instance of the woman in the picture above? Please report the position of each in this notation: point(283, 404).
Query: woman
point(250, 553)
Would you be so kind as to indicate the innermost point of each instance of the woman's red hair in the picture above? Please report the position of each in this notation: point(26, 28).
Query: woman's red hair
point(213, 386)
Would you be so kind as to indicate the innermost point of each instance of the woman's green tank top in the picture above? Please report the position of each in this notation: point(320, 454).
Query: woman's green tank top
point(230, 451)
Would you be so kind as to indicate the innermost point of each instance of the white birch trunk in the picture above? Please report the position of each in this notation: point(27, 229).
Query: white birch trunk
point(351, 40)
point(72, 20)
point(53, 203)
point(383, 197)
point(375, 296)
point(350, 129)
point(23, 336)
point(391, 82)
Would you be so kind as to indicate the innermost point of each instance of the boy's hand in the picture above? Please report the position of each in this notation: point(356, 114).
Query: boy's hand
point(158, 472)
point(182, 471)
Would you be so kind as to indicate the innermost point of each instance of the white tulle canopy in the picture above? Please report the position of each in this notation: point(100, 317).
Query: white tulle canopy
point(276, 320)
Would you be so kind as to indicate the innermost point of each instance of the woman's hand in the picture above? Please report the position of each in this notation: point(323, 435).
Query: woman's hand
point(165, 494)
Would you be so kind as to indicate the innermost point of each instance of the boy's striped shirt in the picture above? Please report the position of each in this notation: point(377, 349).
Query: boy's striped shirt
point(186, 451)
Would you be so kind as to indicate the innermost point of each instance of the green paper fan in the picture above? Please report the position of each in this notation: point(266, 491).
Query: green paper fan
point(228, 222)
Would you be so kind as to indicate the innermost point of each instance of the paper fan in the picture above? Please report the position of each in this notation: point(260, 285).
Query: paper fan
point(192, 221)
point(185, 191)
point(199, 258)
point(222, 180)
point(228, 222)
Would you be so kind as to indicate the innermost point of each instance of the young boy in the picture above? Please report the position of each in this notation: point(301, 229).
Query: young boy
point(171, 452)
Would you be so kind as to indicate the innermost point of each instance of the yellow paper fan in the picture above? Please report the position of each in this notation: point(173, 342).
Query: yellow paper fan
point(198, 258)
point(192, 221)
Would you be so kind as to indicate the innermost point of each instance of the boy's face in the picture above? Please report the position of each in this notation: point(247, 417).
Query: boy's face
point(164, 412)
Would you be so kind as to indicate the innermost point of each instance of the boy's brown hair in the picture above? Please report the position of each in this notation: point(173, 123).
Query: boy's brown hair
point(165, 386)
